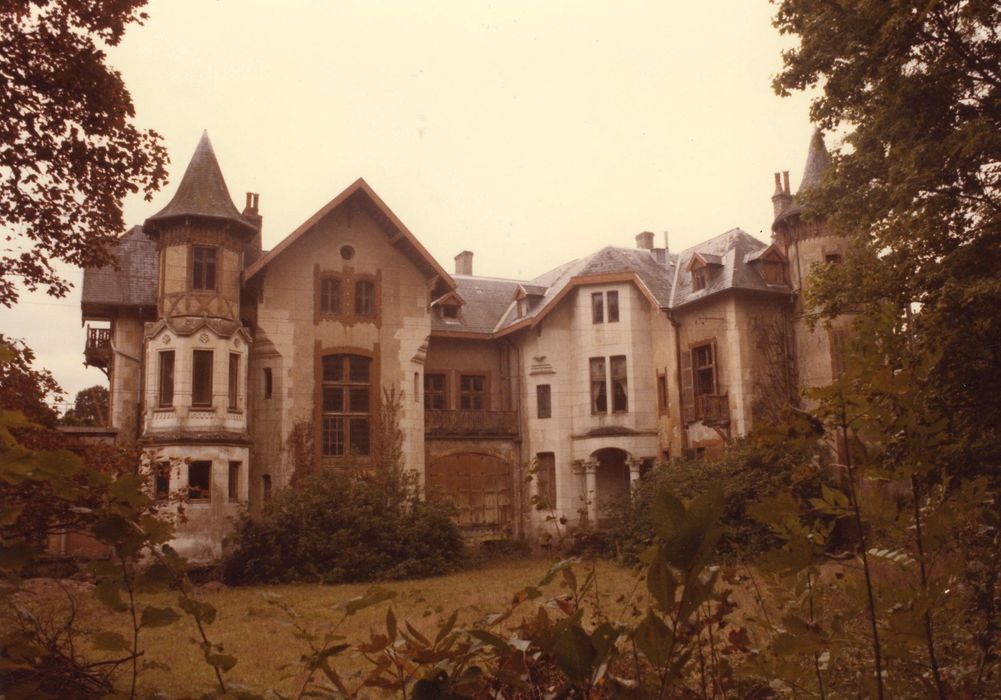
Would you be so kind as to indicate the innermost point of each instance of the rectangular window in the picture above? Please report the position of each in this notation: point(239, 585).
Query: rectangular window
point(346, 397)
point(203, 267)
point(201, 378)
point(620, 395)
point(234, 380)
point(330, 295)
point(700, 276)
point(704, 367)
point(472, 392)
point(832, 258)
point(268, 383)
point(543, 400)
point(166, 393)
point(200, 481)
point(234, 482)
point(662, 394)
point(434, 392)
point(773, 271)
point(613, 307)
point(365, 298)
point(599, 391)
point(546, 476)
point(597, 308)
point(266, 487)
point(161, 480)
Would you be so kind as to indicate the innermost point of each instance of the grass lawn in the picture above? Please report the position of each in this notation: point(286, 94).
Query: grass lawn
point(261, 639)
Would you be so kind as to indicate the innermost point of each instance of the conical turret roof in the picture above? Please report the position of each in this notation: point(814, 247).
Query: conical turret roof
point(202, 192)
point(817, 160)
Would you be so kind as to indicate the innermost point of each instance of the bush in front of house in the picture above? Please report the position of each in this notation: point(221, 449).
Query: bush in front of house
point(339, 525)
point(749, 470)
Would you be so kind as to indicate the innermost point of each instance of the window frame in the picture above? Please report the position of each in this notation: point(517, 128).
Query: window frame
point(431, 393)
point(700, 278)
point(165, 399)
point(161, 480)
point(467, 396)
point(200, 268)
point(599, 385)
point(359, 298)
point(710, 369)
point(543, 401)
point(233, 388)
point(619, 393)
point(205, 494)
point(545, 475)
point(597, 307)
point(269, 383)
point(206, 389)
point(233, 483)
point(330, 295)
point(342, 417)
point(612, 305)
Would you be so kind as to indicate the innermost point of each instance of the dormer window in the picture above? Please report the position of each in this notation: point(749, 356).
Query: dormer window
point(203, 267)
point(700, 277)
point(773, 271)
point(450, 311)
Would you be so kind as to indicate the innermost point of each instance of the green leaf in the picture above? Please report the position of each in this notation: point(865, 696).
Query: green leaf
point(109, 593)
point(222, 661)
point(200, 610)
point(574, 652)
point(654, 639)
point(661, 582)
point(373, 596)
point(449, 625)
point(110, 641)
point(154, 579)
point(391, 624)
point(158, 617)
point(490, 639)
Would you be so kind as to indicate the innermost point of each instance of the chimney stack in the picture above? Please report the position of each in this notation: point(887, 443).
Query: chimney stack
point(252, 214)
point(644, 240)
point(785, 181)
point(782, 199)
point(464, 263)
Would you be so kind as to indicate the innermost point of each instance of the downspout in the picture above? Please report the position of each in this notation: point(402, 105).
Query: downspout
point(522, 428)
point(676, 324)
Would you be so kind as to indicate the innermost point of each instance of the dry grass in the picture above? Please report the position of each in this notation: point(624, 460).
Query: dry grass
point(259, 636)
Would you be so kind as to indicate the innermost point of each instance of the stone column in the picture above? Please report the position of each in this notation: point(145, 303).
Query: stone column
point(634, 473)
point(591, 490)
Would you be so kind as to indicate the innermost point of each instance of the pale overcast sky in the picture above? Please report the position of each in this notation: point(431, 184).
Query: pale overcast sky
point(530, 132)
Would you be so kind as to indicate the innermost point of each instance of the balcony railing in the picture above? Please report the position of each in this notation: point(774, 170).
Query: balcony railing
point(471, 423)
point(97, 352)
point(714, 409)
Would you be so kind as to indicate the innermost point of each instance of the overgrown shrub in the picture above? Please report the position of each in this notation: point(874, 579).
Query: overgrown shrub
point(747, 472)
point(343, 525)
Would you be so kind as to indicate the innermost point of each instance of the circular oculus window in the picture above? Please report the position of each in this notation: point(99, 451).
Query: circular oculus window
point(347, 252)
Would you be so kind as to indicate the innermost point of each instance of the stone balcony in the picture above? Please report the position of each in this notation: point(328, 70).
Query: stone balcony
point(469, 423)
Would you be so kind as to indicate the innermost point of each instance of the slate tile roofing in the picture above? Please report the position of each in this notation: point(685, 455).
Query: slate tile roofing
point(133, 283)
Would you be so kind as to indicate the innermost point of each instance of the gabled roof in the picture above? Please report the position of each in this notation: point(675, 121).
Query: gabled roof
point(134, 281)
point(736, 250)
point(359, 191)
point(202, 192)
point(487, 300)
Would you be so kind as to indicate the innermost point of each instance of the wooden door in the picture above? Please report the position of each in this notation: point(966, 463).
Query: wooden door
point(480, 486)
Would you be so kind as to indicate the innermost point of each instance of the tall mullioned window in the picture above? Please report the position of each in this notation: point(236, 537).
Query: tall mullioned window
point(330, 295)
point(620, 394)
point(347, 405)
point(203, 267)
point(599, 389)
point(365, 298)
point(435, 396)
point(165, 396)
point(201, 378)
point(234, 380)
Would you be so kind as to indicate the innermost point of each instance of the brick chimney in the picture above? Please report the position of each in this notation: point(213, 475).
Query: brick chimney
point(645, 240)
point(464, 263)
point(782, 199)
point(252, 214)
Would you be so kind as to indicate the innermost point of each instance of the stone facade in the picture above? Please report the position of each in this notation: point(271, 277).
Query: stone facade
point(238, 368)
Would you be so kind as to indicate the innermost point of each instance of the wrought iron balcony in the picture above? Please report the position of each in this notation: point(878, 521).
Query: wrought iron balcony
point(97, 352)
point(467, 423)
point(714, 409)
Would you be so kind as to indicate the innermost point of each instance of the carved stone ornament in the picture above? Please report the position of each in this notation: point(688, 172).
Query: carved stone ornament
point(166, 339)
point(204, 337)
point(236, 342)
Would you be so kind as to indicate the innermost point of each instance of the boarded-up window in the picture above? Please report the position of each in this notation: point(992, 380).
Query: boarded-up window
point(546, 476)
point(597, 308)
point(199, 481)
point(472, 392)
point(662, 405)
point(434, 392)
point(620, 394)
point(166, 392)
point(365, 298)
point(543, 400)
point(233, 486)
point(234, 380)
point(613, 307)
point(201, 378)
point(203, 267)
point(599, 389)
point(346, 405)
point(480, 486)
point(330, 295)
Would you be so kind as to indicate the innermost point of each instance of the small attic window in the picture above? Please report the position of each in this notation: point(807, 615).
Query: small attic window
point(450, 311)
point(700, 277)
point(773, 271)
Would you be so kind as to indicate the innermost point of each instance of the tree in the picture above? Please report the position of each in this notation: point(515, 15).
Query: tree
point(24, 388)
point(69, 152)
point(917, 183)
point(90, 407)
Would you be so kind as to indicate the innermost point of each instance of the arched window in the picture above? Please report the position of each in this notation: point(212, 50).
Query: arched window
point(365, 298)
point(347, 405)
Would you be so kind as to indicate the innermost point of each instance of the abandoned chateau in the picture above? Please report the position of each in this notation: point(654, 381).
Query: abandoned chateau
point(235, 366)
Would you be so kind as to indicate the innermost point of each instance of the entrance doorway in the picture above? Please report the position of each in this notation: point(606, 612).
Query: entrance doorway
point(611, 480)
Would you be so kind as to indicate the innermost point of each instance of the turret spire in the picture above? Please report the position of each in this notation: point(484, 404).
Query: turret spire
point(817, 161)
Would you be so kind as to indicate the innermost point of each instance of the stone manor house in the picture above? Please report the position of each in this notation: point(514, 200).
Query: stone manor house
point(234, 366)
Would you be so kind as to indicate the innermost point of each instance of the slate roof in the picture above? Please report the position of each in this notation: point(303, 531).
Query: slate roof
point(487, 301)
point(202, 191)
point(817, 161)
point(736, 250)
point(134, 283)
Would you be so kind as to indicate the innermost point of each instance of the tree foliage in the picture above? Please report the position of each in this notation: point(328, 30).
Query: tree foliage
point(25, 388)
point(917, 184)
point(69, 151)
point(90, 407)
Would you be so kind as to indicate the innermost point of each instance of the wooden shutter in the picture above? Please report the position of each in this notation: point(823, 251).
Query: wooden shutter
point(716, 387)
point(687, 388)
